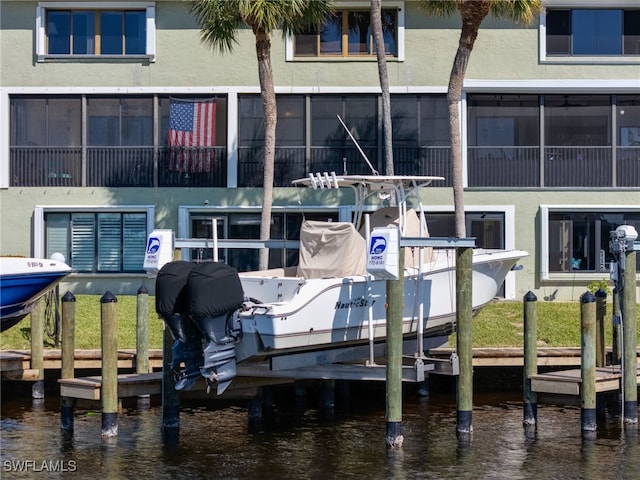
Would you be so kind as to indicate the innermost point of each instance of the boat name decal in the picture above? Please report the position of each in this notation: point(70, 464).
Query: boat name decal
point(354, 303)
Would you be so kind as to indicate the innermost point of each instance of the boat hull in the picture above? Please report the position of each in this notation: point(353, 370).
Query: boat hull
point(298, 314)
point(23, 281)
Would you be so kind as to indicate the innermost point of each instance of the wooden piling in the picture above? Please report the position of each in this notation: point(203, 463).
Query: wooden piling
point(37, 349)
point(530, 306)
point(170, 396)
point(464, 339)
point(629, 333)
point(601, 312)
point(142, 331)
point(616, 320)
point(67, 357)
point(588, 361)
point(109, 392)
point(395, 300)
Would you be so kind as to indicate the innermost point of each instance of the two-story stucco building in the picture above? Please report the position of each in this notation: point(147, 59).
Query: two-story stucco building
point(550, 132)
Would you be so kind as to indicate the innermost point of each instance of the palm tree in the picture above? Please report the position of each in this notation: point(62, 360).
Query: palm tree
point(378, 40)
point(472, 12)
point(219, 21)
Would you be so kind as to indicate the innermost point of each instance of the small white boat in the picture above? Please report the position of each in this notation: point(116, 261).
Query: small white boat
point(329, 300)
point(23, 281)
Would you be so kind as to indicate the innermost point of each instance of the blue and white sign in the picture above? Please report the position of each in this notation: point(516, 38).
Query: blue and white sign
point(383, 253)
point(159, 250)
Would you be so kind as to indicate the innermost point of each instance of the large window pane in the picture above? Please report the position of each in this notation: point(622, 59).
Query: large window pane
point(39, 122)
point(84, 33)
point(331, 36)
point(137, 121)
point(359, 32)
point(135, 33)
point(59, 32)
point(111, 33)
point(579, 241)
point(597, 32)
point(632, 32)
point(577, 120)
point(503, 120)
point(104, 121)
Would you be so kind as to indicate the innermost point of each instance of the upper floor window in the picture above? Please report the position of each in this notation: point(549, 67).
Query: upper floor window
point(348, 33)
point(95, 30)
point(593, 32)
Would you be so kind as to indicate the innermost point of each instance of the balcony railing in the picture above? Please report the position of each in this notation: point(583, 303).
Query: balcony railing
point(291, 163)
point(118, 167)
point(487, 167)
point(46, 166)
point(503, 166)
point(577, 167)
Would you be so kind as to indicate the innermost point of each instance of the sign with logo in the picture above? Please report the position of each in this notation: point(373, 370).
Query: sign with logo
point(382, 257)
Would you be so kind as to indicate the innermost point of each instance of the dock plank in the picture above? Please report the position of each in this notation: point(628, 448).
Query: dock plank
point(129, 385)
point(567, 382)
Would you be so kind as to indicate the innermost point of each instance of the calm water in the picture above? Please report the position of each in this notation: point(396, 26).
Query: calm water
point(216, 442)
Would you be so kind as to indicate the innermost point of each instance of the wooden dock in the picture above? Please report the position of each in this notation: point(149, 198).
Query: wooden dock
point(16, 364)
point(567, 382)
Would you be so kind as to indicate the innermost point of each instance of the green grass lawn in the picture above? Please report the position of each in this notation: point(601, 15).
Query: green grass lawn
point(499, 324)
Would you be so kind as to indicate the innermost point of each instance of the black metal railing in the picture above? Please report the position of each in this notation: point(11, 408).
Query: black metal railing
point(119, 167)
point(487, 167)
point(503, 166)
point(46, 166)
point(192, 167)
point(577, 167)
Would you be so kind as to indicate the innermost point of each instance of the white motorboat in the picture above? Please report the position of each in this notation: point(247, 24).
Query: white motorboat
point(330, 299)
point(23, 281)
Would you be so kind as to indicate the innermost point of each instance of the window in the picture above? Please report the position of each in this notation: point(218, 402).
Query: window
point(284, 226)
point(576, 239)
point(119, 122)
point(99, 241)
point(348, 33)
point(95, 30)
point(593, 32)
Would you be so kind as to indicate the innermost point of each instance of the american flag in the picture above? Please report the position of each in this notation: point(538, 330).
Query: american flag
point(192, 130)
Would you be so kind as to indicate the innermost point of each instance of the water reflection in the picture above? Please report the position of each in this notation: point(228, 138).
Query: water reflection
point(215, 441)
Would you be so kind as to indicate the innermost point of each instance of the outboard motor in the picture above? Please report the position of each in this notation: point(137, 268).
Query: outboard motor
point(172, 304)
point(216, 295)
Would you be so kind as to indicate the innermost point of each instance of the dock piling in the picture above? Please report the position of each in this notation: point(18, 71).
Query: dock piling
point(616, 321)
point(109, 393)
point(464, 337)
point(629, 333)
point(530, 306)
point(142, 330)
point(395, 294)
point(601, 313)
point(67, 357)
point(588, 361)
point(37, 349)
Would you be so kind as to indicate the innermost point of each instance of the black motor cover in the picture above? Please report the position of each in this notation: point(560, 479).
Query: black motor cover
point(214, 290)
point(172, 295)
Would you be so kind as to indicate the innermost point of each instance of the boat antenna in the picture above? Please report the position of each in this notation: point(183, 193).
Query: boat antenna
point(355, 142)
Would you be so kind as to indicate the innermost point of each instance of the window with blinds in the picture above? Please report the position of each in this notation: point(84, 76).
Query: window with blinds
point(100, 242)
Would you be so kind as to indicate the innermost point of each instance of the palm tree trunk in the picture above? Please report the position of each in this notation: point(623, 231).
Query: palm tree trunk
point(472, 13)
point(378, 37)
point(267, 91)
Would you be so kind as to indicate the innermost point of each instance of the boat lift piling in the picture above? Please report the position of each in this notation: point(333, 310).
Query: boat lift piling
point(530, 313)
point(464, 339)
point(588, 362)
point(109, 341)
point(37, 350)
point(67, 357)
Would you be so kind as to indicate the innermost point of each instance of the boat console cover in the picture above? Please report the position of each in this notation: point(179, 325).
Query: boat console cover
point(331, 249)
